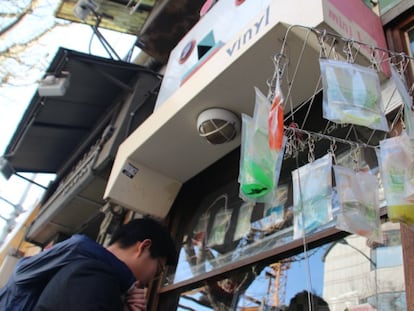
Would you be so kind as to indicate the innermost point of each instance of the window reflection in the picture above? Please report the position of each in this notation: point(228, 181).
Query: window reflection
point(227, 229)
point(354, 274)
point(350, 273)
point(410, 35)
point(409, 43)
point(389, 254)
point(278, 286)
point(343, 275)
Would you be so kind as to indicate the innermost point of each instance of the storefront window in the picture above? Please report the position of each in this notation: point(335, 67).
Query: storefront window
point(356, 273)
point(410, 36)
point(339, 276)
point(266, 287)
point(389, 254)
point(386, 5)
point(344, 273)
point(400, 36)
point(228, 230)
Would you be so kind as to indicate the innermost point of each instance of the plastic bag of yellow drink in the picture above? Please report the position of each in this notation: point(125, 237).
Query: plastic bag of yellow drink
point(396, 159)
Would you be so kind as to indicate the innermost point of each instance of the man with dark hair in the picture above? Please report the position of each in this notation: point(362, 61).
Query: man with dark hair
point(79, 274)
point(300, 302)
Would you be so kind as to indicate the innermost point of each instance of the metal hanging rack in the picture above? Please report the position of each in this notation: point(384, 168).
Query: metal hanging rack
point(328, 48)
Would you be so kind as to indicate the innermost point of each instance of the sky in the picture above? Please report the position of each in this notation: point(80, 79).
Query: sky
point(26, 67)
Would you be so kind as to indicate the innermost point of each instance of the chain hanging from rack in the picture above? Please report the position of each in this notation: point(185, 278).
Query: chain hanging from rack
point(280, 62)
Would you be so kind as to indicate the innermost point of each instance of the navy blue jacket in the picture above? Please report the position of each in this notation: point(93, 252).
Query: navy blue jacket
point(32, 274)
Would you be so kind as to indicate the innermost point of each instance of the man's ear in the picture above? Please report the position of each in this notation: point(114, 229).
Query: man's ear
point(143, 245)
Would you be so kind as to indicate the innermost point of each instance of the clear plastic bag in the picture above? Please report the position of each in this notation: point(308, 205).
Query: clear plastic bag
point(254, 178)
point(312, 196)
point(219, 229)
point(261, 112)
point(259, 166)
point(407, 102)
point(396, 159)
point(359, 203)
point(352, 94)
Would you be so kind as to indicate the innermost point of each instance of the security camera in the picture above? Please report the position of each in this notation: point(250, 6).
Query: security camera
point(84, 7)
point(54, 85)
point(218, 125)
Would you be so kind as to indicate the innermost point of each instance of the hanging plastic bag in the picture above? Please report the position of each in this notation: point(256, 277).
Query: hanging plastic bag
point(396, 161)
point(407, 102)
point(254, 180)
point(259, 166)
point(274, 211)
point(352, 94)
point(359, 203)
point(312, 196)
point(276, 119)
point(221, 224)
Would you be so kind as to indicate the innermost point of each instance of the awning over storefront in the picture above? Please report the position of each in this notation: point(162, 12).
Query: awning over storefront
point(60, 134)
point(167, 150)
point(52, 132)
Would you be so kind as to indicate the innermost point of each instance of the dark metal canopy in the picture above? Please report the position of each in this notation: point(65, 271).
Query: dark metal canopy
point(53, 130)
point(61, 135)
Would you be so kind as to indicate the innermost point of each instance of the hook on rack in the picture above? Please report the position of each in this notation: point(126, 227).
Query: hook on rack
point(321, 37)
point(280, 61)
point(400, 61)
point(347, 49)
point(311, 145)
point(332, 149)
point(375, 62)
point(291, 145)
point(356, 154)
point(295, 142)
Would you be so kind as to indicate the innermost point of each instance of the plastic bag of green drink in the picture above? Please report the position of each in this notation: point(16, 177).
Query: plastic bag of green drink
point(259, 166)
point(312, 196)
point(396, 161)
point(255, 177)
point(352, 94)
point(358, 203)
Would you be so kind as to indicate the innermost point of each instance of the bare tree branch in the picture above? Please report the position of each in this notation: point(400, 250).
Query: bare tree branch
point(28, 9)
point(24, 55)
